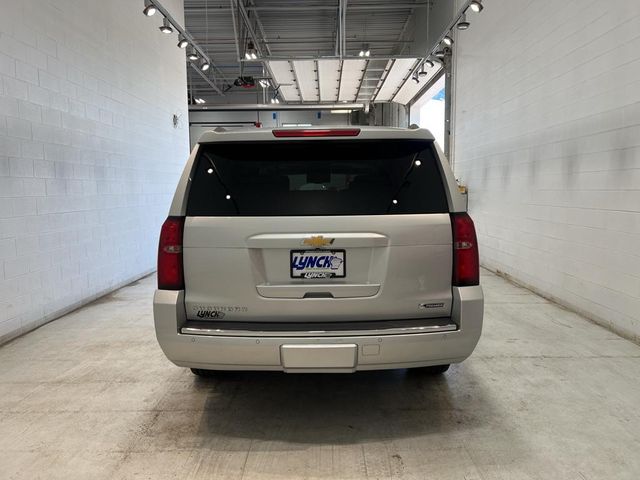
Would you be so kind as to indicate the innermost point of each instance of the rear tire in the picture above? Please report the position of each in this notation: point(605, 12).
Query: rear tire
point(201, 372)
point(436, 369)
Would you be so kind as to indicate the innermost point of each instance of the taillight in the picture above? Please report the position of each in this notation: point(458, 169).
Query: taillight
point(316, 132)
point(170, 274)
point(466, 262)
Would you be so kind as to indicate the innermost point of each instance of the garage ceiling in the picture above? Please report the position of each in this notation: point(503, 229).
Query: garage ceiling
point(302, 52)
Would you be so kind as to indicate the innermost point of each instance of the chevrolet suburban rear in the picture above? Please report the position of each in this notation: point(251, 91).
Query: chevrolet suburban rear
point(318, 250)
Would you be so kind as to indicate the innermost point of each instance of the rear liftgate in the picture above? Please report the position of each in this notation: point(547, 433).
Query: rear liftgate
point(255, 211)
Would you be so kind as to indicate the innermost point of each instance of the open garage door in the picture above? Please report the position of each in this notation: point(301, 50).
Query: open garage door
point(428, 110)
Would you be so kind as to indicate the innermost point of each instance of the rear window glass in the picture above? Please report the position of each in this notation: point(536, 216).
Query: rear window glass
point(316, 177)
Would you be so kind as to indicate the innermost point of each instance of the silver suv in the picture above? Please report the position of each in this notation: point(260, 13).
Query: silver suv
point(314, 250)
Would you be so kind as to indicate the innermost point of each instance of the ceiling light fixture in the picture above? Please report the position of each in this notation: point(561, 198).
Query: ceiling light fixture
point(365, 52)
point(447, 40)
point(149, 8)
point(476, 6)
point(415, 78)
point(463, 24)
point(250, 53)
point(166, 26)
point(423, 72)
point(440, 54)
point(264, 83)
point(204, 65)
point(182, 42)
point(429, 63)
point(192, 55)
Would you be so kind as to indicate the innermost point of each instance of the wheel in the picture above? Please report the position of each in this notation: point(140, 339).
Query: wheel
point(436, 369)
point(201, 372)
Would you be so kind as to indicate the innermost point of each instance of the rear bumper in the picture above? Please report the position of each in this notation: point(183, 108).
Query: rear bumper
point(344, 352)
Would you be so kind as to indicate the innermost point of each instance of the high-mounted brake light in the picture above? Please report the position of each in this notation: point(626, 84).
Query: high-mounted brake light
point(466, 262)
point(170, 273)
point(335, 132)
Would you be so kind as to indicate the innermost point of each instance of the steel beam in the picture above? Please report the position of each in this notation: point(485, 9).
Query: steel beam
point(364, 74)
point(207, 79)
point(247, 22)
point(235, 27)
point(261, 28)
point(338, 17)
point(245, 16)
point(448, 96)
point(273, 107)
point(317, 78)
point(340, 80)
point(307, 8)
point(278, 58)
point(343, 30)
point(341, 23)
point(295, 79)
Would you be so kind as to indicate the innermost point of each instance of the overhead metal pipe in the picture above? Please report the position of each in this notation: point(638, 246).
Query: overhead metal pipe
point(343, 30)
point(272, 107)
point(254, 37)
point(208, 80)
point(326, 57)
point(306, 8)
point(235, 28)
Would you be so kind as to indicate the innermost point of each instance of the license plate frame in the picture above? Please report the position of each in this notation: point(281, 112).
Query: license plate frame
point(319, 274)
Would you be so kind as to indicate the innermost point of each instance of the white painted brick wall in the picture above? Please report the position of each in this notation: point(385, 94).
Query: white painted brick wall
point(547, 136)
point(89, 158)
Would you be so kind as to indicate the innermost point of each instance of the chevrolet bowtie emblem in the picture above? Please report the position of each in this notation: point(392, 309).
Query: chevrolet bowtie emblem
point(318, 241)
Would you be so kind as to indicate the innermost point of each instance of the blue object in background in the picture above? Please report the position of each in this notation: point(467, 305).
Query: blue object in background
point(439, 95)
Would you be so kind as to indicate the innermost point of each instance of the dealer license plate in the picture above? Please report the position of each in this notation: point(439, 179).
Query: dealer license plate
point(318, 263)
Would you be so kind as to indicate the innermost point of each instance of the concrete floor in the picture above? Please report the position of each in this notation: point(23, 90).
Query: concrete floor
point(547, 395)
